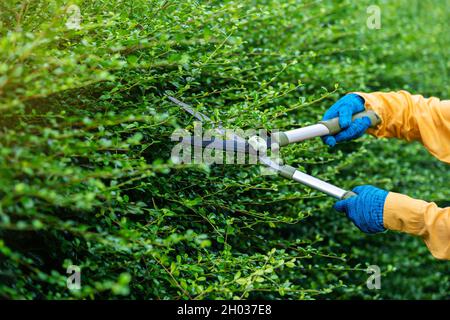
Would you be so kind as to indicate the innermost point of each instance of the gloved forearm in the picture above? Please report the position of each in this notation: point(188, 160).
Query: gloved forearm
point(421, 218)
point(412, 117)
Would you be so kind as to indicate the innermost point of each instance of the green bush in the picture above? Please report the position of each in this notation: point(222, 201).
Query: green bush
point(85, 171)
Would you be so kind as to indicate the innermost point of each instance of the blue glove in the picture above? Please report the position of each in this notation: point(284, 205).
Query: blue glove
point(345, 108)
point(366, 209)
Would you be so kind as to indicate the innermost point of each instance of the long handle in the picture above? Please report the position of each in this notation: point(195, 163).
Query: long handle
point(323, 128)
point(310, 181)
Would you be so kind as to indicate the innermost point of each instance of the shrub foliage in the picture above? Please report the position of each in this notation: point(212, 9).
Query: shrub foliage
point(85, 171)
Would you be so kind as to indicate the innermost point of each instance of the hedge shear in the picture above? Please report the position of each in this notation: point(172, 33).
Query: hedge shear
point(239, 144)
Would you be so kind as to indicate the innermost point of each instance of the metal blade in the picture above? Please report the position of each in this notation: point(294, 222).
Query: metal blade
point(241, 142)
point(198, 115)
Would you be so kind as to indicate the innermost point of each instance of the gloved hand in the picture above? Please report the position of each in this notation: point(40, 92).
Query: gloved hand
point(345, 108)
point(366, 209)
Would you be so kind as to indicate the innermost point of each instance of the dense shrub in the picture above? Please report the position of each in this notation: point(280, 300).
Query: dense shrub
point(85, 170)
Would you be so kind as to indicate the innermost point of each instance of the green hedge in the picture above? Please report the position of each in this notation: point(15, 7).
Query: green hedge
point(85, 171)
